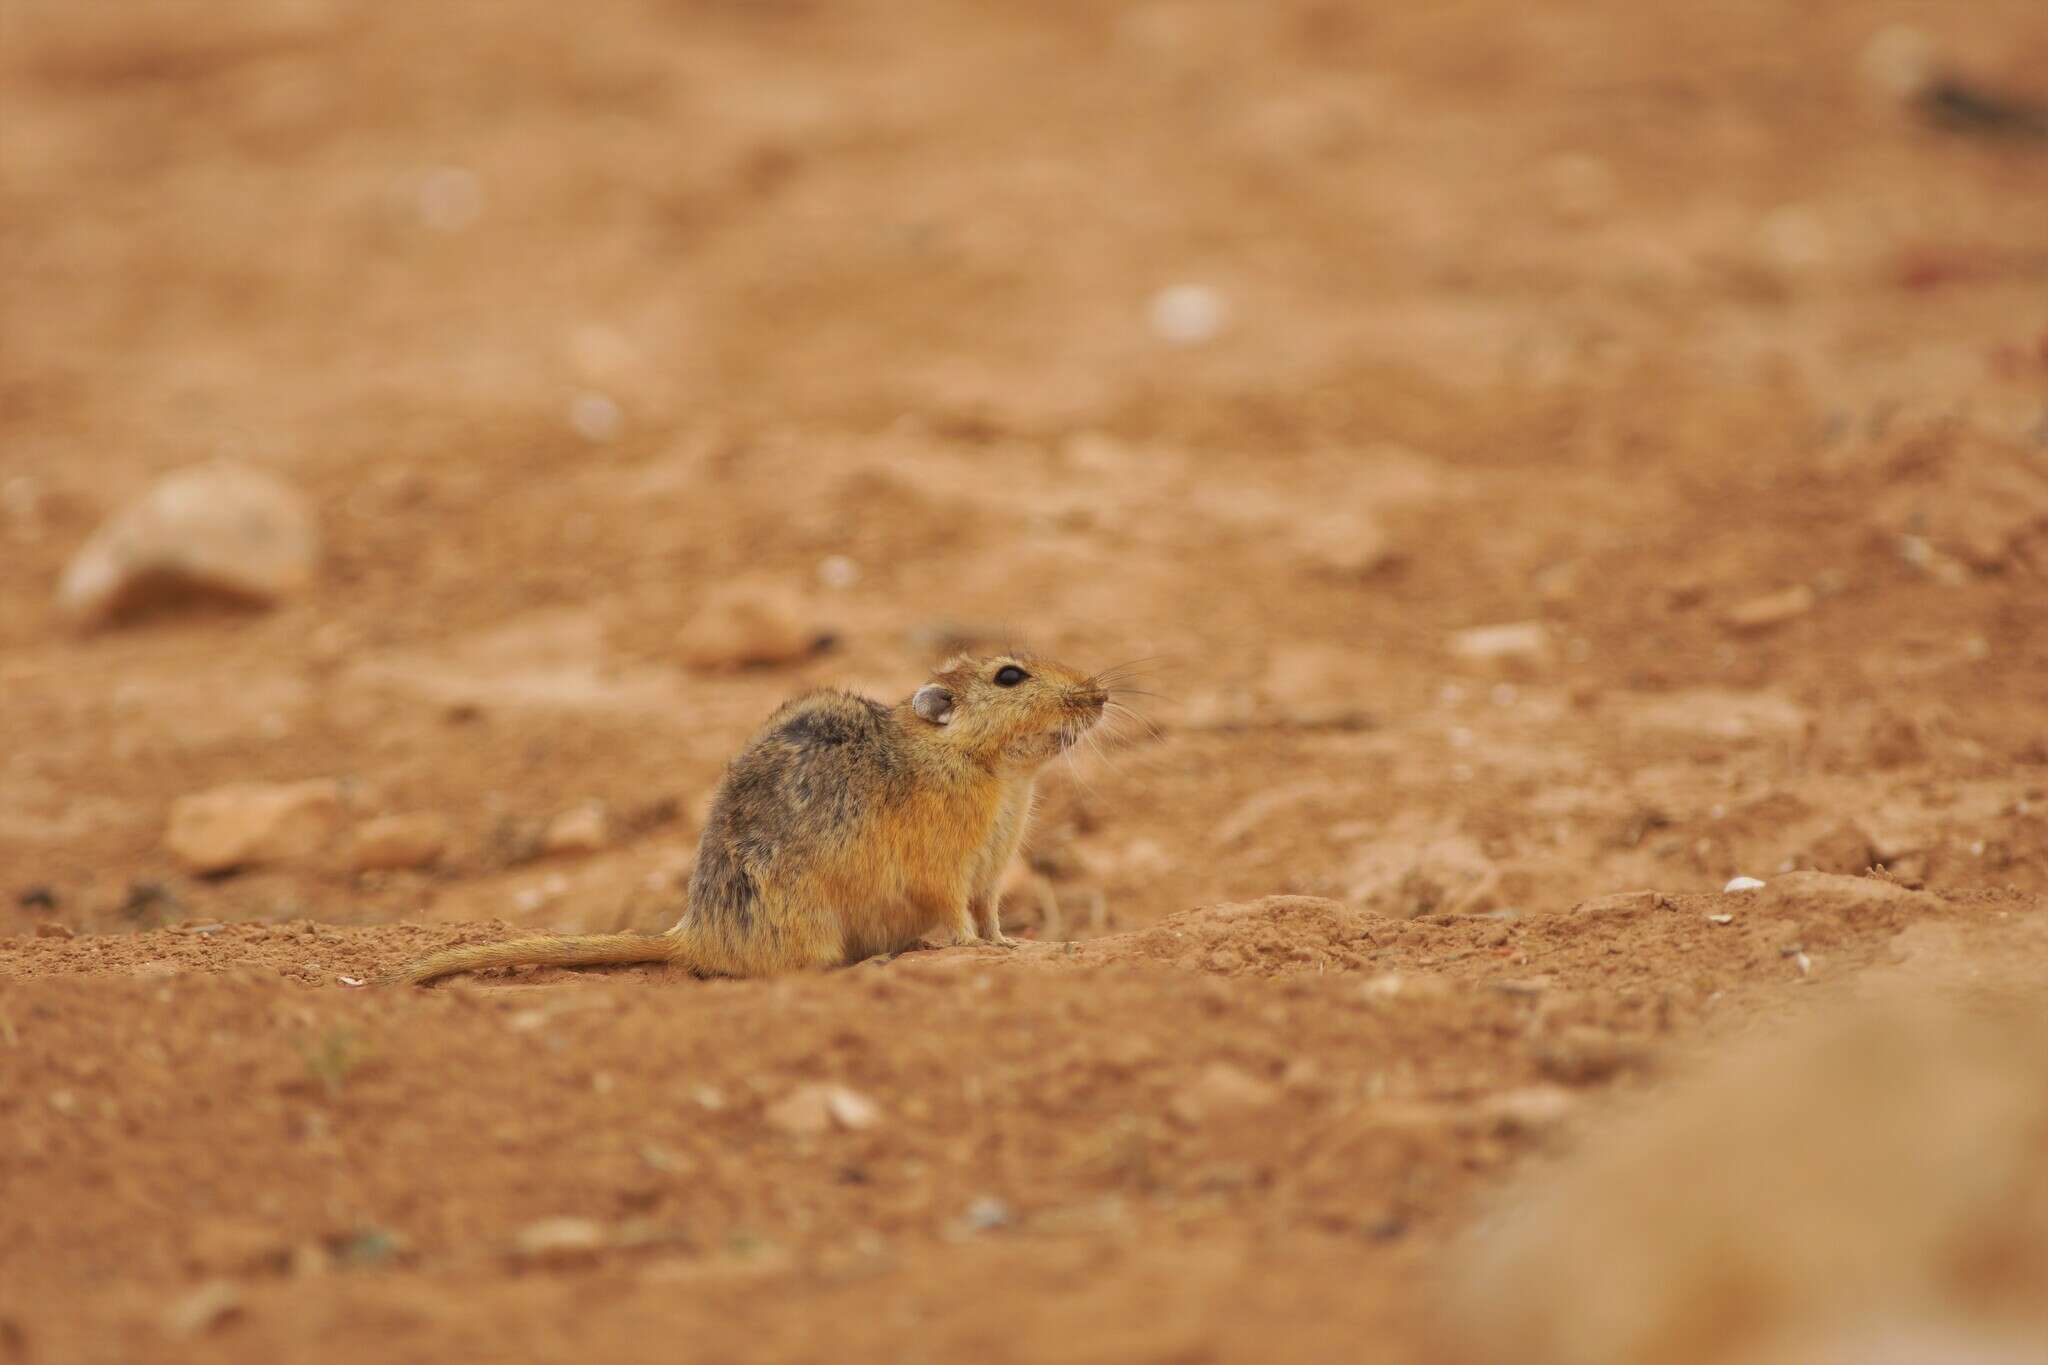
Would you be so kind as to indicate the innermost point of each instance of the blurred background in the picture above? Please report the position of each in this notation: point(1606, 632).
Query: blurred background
point(1537, 451)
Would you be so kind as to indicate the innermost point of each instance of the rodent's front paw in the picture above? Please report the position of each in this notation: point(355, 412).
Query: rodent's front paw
point(1003, 940)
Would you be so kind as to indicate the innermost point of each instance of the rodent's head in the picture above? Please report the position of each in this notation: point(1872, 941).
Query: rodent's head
point(1011, 711)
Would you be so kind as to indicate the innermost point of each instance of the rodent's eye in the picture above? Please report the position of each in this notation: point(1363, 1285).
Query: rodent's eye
point(1009, 675)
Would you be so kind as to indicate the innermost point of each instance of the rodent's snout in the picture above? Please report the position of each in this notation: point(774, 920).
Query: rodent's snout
point(1087, 700)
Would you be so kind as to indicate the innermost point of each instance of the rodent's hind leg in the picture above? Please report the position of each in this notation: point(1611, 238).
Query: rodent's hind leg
point(989, 913)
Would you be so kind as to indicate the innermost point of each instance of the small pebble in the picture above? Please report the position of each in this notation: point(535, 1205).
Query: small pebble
point(1772, 609)
point(1525, 643)
point(750, 625)
point(207, 1306)
point(1742, 884)
point(450, 199)
point(814, 1109)
point(1187, 314)
point(560, 1238)
point(595, 417)
point(585, 829)
point(1897, 61)
point(1794, 238)
point(988, 1213)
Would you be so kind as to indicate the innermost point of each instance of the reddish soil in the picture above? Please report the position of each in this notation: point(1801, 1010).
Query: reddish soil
point(1639, 323)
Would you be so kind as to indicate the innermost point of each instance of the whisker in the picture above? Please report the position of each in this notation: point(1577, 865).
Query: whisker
point(1121, 713)
point(1073, 768)
point(1114, 677)
point(1132, 668)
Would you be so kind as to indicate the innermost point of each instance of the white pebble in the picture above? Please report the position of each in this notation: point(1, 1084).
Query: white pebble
point(450, 198)
point(838, 571)
point(1742, 884)
point(1188, 314)
point(595, 417)
point(987, 1213)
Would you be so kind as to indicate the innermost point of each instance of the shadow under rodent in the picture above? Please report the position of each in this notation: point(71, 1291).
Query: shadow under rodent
point(846, 829)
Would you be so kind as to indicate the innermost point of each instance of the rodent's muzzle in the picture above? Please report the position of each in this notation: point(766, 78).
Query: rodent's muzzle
point(1083, 706)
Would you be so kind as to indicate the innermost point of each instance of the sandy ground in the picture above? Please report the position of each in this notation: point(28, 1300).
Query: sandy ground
point(1680, 341)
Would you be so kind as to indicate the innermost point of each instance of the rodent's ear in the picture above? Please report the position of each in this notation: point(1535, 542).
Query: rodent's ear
point(933, 703)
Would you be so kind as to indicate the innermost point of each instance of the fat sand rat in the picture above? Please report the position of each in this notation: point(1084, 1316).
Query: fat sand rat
point(846, 829)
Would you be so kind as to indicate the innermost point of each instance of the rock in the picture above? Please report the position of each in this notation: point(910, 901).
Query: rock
point(207, 1306)
point(749, 626)
point(1187, 314)
point(1741, 884)
point(448, 198)
point(1581, 1054)
point(1897, 62)
point(1942, 568)
point(1888, 1147)
point(52, 929)
point(988, 1213)
point(246, 823)
point(226, 530)
point(1349, 544)
point(1621, 903)
point(814, 1109)
point(399, 841)
point(595, 417)
point(560, 1239)
point(234, 1246)
point(1222, 1089)
point(1843, 849)
point(1557, 583)
point(1772, 609)
point(1833, 890)
point(585, 829)
point(1524, 644)
point(1793, 238)
point(1406, 986)
point(1528, 1109)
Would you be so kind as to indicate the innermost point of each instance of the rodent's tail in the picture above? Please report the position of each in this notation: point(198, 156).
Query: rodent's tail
point(580, 950)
